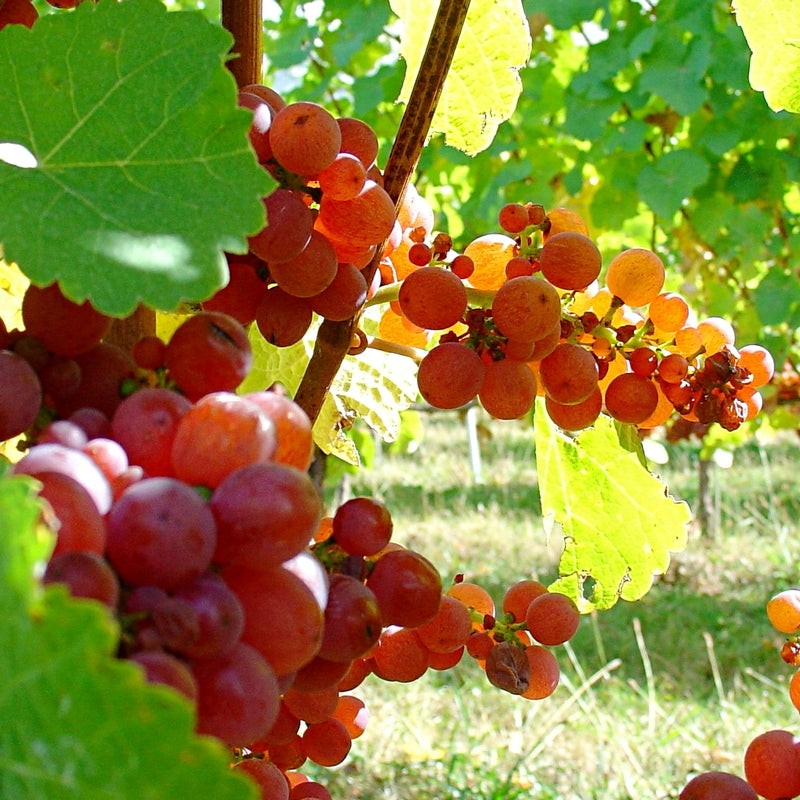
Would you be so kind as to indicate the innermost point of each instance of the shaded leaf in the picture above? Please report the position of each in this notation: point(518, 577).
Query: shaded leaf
point(618, 523)
point(665, 184)
point(139, 170)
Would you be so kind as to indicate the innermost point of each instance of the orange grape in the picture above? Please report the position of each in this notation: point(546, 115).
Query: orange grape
point(715, 333)
point(305, 138)
point(577, 416)
point(353, 713)
point(513, 217)
point(669, 312)
point(717, 786)
point(772, 764)
point(688, 341)
point(673, 368)
point(450, 375)
point(661, 413)
point(433, 298)
point(758, 362)
point(545, 672)
point(400, 655)
point(520, 595)
point(552, 618)
point(570, 260)
point(564, 219)
point(490, 253)
point(631, 398)
point(449, 628)
point(326, 743)
point(395, 328)
point(636, 276)
point(783, 611)
point(508, 389)
point(569, 374)
point(526, 307)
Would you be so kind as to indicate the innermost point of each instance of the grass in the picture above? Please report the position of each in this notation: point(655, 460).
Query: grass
point(651, 692)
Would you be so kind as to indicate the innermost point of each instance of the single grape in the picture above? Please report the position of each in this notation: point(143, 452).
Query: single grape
point(568, 374)
point(270, 780)
point(449, 628)
point(85, 574)
point(326, 743)
point(364, 220)
point(343, 297)
point(362, 526)
point(208, 352)
point(311, 707)
point(20, 395)
point(433, 298)
point(239, 298)
point(552, 618)
point(344, 178)
point(570, 260)
point(160, 533)
point(237, 696)
point(717, 786)
point(166, 670)
point(636, 276)
point(400, 655)
point(772, 764)
point(577, 416)
point(18, 12)
point(282, 318)
point(310, 272)
point(783, 611)
point(358, 139)
point(287, 230)
point(508, 389)
point(631, 398)
point(353, 620)
point(450, 375)
point(305, 138)
point(527, 307)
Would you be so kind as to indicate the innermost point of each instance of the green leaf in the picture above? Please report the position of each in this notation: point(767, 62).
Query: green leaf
point(776, 296)
point(772, 30)
point(483, 85)
point(79, 723)
point(143, 173)
point(618, 523)
point(666, 183)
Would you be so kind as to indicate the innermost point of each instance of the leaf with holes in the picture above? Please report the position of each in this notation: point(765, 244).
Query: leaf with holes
point(126, 169)
point(619, 524)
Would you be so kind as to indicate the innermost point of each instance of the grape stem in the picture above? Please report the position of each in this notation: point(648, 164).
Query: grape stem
point(476, 298)
point(414, 353)
point(335, 338)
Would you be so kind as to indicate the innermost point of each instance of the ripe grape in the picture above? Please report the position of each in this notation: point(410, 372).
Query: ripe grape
point(513, 218)
point(344, 296)
point(643, 361)
point(237, 696)
point(545, 673)
point(577, 416)
point(220, 433)
point(80, 525)
point(310, 271)
point(758, 362)
point(239, 298)
point(364, 220)
point(362, 526)
point(64, 327)
point(717, 786)
point(283, 619)
point(473, 596)
point(85, 574)
point(353, 620)
point(62, 431)
point(265, 93)
point(311, 707)
point(636, 276)
point(552, 618)
point(260, 123)
point(20, 395)
point(520, 595)
point(783, 611)
point(326, 743)
point(358, 139)
point(433, 298)
point(715, 333)
point(167, 670)
point(508, 389)
point(145, 424)
point(570, 260)
point(287, 230)
point(564, 219)
point(46, 458)
point(527, 307)
point(305, 138)
point(270, 780)
point(282, 318)
point(265, 514)
point(490, 253)
point(352, 712)
point(292, 427)
point(772, 764)
point(668, 312)
point(673, 368)
point(18, 12)
point(160, 533)
point(320, 673)
point(450, 375)
point(631, 398)
point(400, 655)
point(449, 629)
point(208, 352)
point(407, 586)
point(569, 374)
point(148, 352)
point(344, 178)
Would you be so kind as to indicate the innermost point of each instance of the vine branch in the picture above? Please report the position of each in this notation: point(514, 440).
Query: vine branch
point(334, 338)
point(243, 19)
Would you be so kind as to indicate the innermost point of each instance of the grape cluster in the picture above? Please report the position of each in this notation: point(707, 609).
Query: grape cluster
point(772, 759)
point(541, 324)
point(325, 220)
point(187, 510)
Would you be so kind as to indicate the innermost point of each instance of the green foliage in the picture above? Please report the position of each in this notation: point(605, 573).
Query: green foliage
point(78, 722)
point(483, 84)
point(143, 172)
point(773, 33)
point(618, 524)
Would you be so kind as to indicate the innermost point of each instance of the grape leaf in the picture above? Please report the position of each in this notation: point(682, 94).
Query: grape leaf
point(666, 183)
point(136, 169)
point(619, 525)
point(483, 85)
point(77, 722)
point(772, 30)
